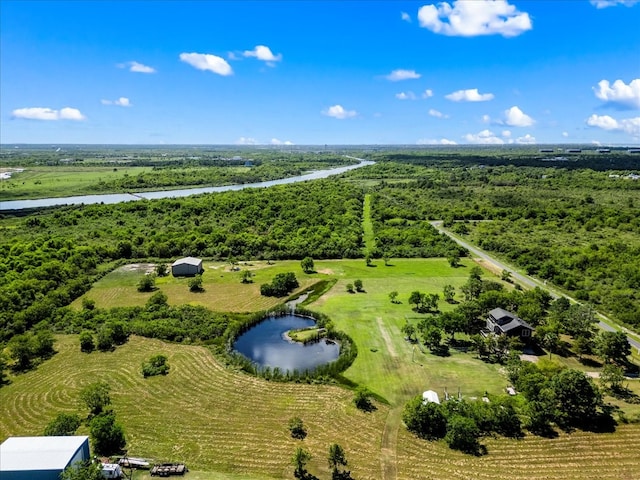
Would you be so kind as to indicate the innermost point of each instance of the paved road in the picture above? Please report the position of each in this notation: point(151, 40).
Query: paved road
point(604, 323)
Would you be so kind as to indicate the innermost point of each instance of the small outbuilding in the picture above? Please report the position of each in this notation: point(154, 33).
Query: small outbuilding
point(430, 397)
point(186, 267)
point(41, 458)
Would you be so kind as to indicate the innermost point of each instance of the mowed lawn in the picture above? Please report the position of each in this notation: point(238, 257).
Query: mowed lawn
point(388, 364)
point(228, 425)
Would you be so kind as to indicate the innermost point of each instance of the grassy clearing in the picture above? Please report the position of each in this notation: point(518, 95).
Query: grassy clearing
point(223, 288)
point(367, 225)
point(40, 182)
point(386, 363)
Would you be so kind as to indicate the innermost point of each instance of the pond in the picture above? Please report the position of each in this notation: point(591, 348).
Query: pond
point(267, 346)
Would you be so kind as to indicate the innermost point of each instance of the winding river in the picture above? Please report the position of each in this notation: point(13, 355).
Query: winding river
point(129, 197)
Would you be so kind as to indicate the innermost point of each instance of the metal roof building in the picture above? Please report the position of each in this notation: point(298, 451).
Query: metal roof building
point(187, 266)
point(40, 458)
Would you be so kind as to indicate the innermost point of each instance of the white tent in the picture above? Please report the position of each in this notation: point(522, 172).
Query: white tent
point(430, 396)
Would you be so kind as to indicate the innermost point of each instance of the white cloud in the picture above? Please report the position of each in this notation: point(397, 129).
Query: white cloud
point(405, 16)
point(264, 53)
point(472, 18)
point(526, 140)
point(406, 96)
point(205, 61)
point(435, 113)
point(619, 93)
point(485, 137)
point(275, 141)
point(506, 133)
point(515, 117)
point(246, 141)
point(630, 126)
point(40, 113)
point(121, 102)
point(400, 74)
point(427, 93)
point(612, 3)
point(596, 143)
point(486, 119)
point(469, 95)
point(442, 141)
point(338, 111)
point(565, 134)
point(137, 67)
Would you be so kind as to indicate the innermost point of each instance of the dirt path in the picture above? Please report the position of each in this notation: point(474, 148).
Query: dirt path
point(387, 338)
point(389, 444)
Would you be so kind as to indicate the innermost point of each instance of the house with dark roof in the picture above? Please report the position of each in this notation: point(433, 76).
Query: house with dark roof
point(502, 322)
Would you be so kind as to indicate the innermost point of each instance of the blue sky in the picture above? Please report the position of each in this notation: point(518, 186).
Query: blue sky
point(328, 72)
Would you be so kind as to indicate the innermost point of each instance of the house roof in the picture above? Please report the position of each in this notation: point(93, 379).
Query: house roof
point(188, 261)
point(508, 321)
point(38, 453)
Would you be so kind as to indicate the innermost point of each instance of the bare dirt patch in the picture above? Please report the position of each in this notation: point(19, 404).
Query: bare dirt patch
point(529, 358)
point(326, 271)
point(138, 267)
point(493, 268)
point(387, 338)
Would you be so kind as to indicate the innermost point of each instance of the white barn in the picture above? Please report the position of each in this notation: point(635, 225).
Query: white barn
point(186, 267)
point(40, 458)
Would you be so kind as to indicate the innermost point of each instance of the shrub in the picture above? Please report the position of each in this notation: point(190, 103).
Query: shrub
point(296, 427)
point(63, 425)
point(156, 365)
point(87, 344)
point(195, 283)
point(147, 283)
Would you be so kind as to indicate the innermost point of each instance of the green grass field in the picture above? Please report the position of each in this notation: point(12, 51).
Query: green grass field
point(41, 181)
point(226, 424)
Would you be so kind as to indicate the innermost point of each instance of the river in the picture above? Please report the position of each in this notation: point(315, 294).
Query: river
point(129, 197)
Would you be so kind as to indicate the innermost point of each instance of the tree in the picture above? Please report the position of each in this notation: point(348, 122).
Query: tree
point(577, 397)
point(409, 331)
point(296, 427)
point(613, 347)
point(307, 265)
point(64, 424)
point(299, 460)
point(85, 471)
point(87, 344)
point(393, 296)
point(449, 292)
point(349, 288)
point(43, 344)
point(505, 276)
point(452, 322)
point(21, 351)
point(195, 283)
point(462, 434)
point(432, 337)
point(281, 285)
point(416, 298)
point(88, 303)
point(246, 276)
point(454, 260)
point(147, 283)
point(3, 367)
point(96, 397)
point(612, 377)
point(162, 269)
point(156, 365)
point(337, 459)
point(362, 399)
point(157, 301)
point(104, 339)
point(358, 285)
point(426, 420)
point(107, 436)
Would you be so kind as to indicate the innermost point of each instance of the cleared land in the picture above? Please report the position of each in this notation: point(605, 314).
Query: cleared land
point(39, 182)
point(225, 424)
